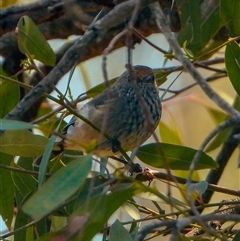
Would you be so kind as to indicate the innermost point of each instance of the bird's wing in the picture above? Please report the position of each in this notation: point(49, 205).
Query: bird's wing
point(110, 110)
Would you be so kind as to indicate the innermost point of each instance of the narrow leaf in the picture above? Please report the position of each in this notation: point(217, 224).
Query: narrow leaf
point(25, 184)
point(131, 210)
point(218, 117)
point(9, 96)
point(170, 135)
point(6, 190)
point(232, 62)
point(161, 76)
point(89, 183)
point(208, 26)
point(229, 13)
point(45, 158)
point(237, 236)
point(22, 143)
point(218, 140)
point(191, 18)
point(100, 209)
point(99, 88)
point(58, 188)
point(14, 125)
point(163, 155)
point(32, 43)
point(118, 232)
point(21, 220)
point(161, 197)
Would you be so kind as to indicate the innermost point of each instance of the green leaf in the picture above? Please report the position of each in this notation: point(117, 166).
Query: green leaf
point(98, 210)
point(91, 216)
point(30, 233)
point(134, 230)
point(83, 193)
point(161, 76)
point(6, 190)
point(207, 26)
point(43, 226)
point(21, 220)
point(218, 140)
point(237, 236)
point(118, 232)
point(22, 143)
point(58, 188)
point(89, 183)
point(232, 62)
point(170, 135)
point(45, 158)
point(99, 88)
point(160, 197)
point(9, 96)
point(218, 117)
point(236, 103)
point(131, 210)
point(163, 155)
point(190, 15)
point(58, 223)
point(14, 125)
point(24, 183)
point(32, 43)
point(229, 12)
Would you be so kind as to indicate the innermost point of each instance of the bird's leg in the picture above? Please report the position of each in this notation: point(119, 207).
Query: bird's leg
point(115, 145)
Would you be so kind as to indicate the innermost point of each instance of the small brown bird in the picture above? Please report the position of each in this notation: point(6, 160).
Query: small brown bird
point(127, 112)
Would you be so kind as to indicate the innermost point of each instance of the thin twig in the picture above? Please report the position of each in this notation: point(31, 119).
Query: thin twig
point(15, 169)
point(17, 230)
point(177, 92)
point(211, 68)
point(164, 26)
point(226, 124)
point(222, 159)
point(212, 187)
point(137, 33)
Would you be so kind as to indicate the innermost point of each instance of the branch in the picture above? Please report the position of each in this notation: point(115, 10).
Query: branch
point(222, 159)
point(19, 170)
point(164, 26)
point(74, 55)
point(38, 11)
point(150, 174)
point(180, 223)
point(224, 209)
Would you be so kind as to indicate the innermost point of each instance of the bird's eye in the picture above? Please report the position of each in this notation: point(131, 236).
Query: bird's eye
point(148, 79)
